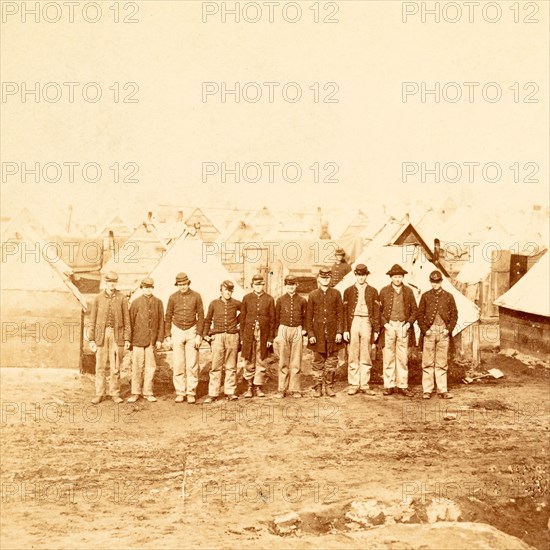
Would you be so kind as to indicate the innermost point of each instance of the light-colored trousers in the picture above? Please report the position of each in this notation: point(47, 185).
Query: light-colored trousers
point(360, 362)
point(255, 370)
point(396, 341)
point(290, 358)
point(434, 360)
point(112, 352)
point(143, 370)
point(224, 357)
point(185, 360)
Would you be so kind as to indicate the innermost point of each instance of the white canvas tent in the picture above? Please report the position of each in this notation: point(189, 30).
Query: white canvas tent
point(524, 313)
point(41, 307)
point(531, 294)
point(196, 258)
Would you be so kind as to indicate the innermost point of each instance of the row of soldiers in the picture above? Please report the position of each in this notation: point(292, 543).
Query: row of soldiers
point(324, 322)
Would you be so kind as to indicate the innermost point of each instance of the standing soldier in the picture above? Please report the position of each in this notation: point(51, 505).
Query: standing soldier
point(398, 311)
point(221, 329)
point(109, 336)
point(437, 317)
point(183, 325)
point(290, 317)
point(361, 319)
point(340, 268)
point(257, 332)
point(324, 323)
point(147, 322)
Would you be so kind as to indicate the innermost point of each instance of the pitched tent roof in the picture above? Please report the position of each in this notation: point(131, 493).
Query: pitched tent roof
point(198, 260)
point(136, 257)
point(29, 264)
point(531, 294)
point(199, 220)
point(413, 259)
point(26, 221)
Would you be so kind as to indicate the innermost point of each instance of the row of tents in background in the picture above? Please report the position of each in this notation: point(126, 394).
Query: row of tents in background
point(498, 275)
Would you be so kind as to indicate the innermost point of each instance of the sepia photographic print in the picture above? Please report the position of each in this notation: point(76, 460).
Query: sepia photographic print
point(275, 274)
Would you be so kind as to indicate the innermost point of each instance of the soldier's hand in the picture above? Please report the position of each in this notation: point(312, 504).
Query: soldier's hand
point(208, 339)
point(428, 332)
point(157, 345)
point(126, 345)
point(269, 344)
point(346, 336)
point(93, 347)
point(312, 340)
point(338, 338)
point(198, 340)
point(168, 342)
point(445, 332)
point(304, 332)
point(376, 336)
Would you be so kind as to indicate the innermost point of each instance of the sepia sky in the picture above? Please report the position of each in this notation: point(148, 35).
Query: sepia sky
point(360, 62)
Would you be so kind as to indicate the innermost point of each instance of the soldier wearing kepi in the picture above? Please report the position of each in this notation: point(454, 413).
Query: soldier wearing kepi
point(324, 325)
point(437, 317)
point(340, 268)
point(184, 323)
point(361, 320)
point(290, 318)
point(110, 334)
point(147, 322)
point(221, 329)
point(257, 327)
point(398, 313)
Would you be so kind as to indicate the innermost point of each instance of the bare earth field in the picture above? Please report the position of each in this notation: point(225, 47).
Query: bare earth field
point(167, 475)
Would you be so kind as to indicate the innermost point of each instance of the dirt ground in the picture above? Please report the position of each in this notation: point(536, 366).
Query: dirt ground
point(167, 475)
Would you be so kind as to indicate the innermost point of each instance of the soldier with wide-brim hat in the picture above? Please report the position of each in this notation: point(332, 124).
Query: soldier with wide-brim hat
point(398, 314)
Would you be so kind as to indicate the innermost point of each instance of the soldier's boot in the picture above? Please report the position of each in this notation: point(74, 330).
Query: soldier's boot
point(248, 393)
point(329, 381)
point(259, 392)
point(318, 390)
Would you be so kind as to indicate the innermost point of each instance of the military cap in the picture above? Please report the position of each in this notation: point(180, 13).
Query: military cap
point(436, 277)
point(111, 276)
point(147, 283)
point(340, 252)
point(258, 279)
point(182, 278)
point(325, 272)
point(290, 280)
point(396, 270)
point(361, 269)
point(228, 284)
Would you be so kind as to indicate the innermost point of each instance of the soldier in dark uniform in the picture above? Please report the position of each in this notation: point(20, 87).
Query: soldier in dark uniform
point(147, 322)
point(324, 324)
point(340, 268)
point(221, 329)
point(290, 319)
point(110, 334)
point(437, 317)
point(257, 328)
